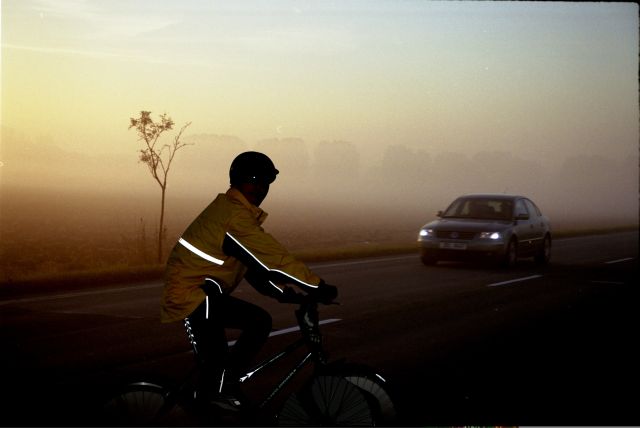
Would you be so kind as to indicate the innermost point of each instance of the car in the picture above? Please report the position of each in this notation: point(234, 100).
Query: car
point(498, 227)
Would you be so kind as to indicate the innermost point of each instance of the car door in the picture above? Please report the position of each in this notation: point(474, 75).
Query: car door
point(537, 224)
point(523, 228)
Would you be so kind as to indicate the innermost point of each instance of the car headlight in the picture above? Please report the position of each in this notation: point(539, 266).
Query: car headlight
point(490, 235)
point(426, 233)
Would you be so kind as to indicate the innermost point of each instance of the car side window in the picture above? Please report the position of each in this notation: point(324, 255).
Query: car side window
point(537, 209)
point(533, 211)
point(520, 208)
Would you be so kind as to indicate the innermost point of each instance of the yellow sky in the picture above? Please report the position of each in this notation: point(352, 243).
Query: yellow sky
point(438, 75)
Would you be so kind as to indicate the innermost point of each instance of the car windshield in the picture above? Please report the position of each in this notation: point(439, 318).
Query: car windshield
point(480, 208)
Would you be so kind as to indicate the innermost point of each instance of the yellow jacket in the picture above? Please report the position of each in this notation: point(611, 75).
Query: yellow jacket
point(233, 223)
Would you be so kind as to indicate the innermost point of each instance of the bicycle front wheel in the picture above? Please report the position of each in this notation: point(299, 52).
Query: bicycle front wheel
point(327, 400)
point(375, 389)
point(138, 404)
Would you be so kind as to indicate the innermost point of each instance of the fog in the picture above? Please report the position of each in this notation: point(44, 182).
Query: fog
point(378, 114)
point(63, 211)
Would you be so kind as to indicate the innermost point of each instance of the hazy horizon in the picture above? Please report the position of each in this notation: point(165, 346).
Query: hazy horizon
point(380, 112)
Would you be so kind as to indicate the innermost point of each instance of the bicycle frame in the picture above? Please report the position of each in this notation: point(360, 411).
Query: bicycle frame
point(307, 317)
point(145, 402)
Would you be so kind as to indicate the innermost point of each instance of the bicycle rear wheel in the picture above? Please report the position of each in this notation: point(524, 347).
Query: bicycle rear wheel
point(327, 400)
point(138, 404)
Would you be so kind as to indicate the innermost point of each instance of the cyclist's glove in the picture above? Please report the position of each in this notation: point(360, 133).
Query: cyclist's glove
point(290, 296)
point(325, 293)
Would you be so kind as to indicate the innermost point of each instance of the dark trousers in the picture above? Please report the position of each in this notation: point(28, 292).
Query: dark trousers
point(220, 364)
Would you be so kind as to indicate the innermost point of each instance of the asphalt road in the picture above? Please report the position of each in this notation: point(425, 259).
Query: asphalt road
point(460, 344)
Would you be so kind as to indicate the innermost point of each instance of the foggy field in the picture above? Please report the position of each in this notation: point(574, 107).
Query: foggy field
point(57, 232)
point(330, 199)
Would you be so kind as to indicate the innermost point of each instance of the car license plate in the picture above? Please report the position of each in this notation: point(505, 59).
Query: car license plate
point(453, 246)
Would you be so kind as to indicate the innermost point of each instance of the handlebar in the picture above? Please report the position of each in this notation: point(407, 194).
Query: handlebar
point(308, 319)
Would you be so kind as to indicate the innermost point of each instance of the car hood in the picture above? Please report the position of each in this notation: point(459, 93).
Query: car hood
point(467, 225)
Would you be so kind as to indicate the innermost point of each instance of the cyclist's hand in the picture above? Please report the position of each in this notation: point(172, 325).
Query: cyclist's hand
point(290, 296)
point(325, 293)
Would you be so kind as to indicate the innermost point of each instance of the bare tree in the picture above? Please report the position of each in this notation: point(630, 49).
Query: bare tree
point(157, 159)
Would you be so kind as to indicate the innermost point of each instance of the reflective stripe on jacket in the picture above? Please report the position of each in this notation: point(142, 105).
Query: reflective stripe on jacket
point(230, 221)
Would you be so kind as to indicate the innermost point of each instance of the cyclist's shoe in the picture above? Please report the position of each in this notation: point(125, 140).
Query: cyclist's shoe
point(226, 402)
point(221, 401)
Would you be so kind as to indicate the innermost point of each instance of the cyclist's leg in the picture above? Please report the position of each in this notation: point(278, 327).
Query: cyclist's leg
point(255, 324)
point(209, 342)
point(221, 366)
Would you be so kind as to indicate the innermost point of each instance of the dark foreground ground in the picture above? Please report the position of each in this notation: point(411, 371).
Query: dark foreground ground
point(559, 350)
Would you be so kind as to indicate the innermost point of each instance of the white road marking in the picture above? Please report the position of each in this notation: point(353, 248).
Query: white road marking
point(80, 294)
point(81, 312)
point(317, 266)
point(367, 261)
point(160, 285)
point(291, 329)
point(526, 278)
point(619, 260)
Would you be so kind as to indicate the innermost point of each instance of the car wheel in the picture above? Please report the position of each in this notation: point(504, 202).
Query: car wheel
point(543, 255)
point(428, 257)
point(511, 255)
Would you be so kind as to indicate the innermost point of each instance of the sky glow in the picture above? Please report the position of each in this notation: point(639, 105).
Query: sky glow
point(543, 81)
point(432, 73)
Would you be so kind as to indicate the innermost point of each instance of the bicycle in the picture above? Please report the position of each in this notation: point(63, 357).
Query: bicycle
point(337, 393)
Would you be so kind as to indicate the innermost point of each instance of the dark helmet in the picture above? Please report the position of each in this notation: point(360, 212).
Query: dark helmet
point(252, 167)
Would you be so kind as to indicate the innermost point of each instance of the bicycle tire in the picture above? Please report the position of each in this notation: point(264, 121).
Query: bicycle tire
point(327, 400)
point(375, 388)
point(137, 404)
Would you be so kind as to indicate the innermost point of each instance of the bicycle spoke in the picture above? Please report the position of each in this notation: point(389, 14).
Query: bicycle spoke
point(385, 410)
point(137, 405)
point(294, 413)
point(328, 400)
point(373, 386)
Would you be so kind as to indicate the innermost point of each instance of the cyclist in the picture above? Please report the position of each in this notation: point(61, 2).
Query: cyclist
point(223, 245)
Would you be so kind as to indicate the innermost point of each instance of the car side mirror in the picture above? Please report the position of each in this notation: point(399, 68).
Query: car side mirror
point(522, 216)
point(439, 213)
